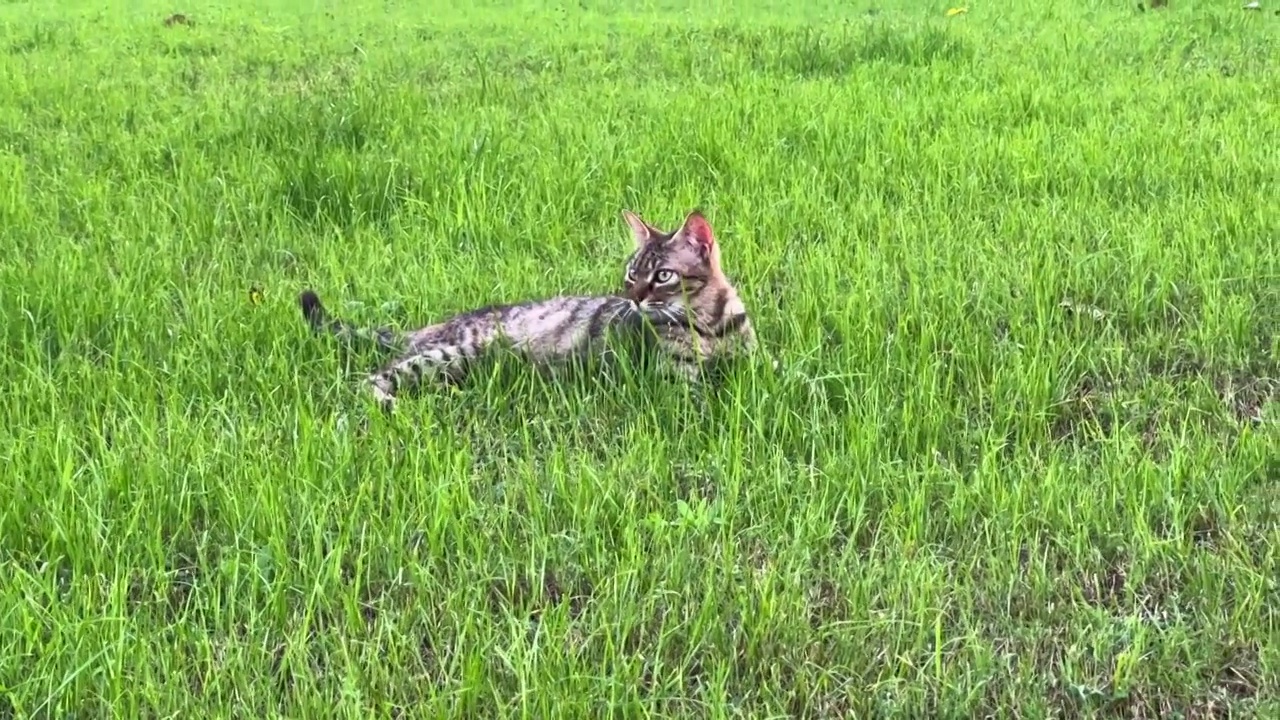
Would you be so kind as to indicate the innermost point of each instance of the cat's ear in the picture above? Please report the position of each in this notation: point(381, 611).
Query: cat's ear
point(697, 230)
point(639, 228)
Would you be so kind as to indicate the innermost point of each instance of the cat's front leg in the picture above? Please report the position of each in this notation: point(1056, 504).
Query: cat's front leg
point(687, 370)
point(382, 385)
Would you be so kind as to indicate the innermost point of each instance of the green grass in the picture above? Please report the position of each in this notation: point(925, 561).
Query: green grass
point(1021, 266)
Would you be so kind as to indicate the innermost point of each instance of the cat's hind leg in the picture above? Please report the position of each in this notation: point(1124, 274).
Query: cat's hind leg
point(437, 363)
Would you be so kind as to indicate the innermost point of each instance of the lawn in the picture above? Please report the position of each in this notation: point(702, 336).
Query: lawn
point(1020, 266)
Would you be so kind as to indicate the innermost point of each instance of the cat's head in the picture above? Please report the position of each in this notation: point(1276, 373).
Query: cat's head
point(668, 273)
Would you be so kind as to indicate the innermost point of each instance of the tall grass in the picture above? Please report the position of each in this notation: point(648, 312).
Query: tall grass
point(1020, 266)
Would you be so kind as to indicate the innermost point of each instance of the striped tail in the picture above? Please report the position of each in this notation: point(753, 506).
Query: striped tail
point(320, 321)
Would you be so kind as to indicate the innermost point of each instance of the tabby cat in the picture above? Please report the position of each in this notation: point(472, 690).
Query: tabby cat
point(674, 294)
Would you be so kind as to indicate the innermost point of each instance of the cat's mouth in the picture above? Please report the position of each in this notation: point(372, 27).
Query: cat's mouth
point(656, 311)
point(661, 313)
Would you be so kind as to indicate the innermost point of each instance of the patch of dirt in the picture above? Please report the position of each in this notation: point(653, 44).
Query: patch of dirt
point(1153, 597)
point(1105, 589)
point(1205, 530)
point(536, 595)
point(1082, 415)
point(1245, 395)
point(693, 484)
point(758, 558)
point(857, 533)
point(427, 653)
point(283, 678)
point(827, 604)
point(1155, 703)
point(1243, 391)
point(1096, 407)
point(183, 579)
point(1239, 672)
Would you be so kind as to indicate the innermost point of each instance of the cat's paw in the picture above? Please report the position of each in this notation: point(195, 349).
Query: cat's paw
point(385, 401)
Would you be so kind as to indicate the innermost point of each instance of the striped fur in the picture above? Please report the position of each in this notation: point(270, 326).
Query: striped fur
point(673, 281)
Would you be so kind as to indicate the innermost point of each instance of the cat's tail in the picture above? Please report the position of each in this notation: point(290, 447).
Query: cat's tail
point(320, 321)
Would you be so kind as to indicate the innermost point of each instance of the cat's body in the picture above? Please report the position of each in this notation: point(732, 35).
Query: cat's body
point(675, 296)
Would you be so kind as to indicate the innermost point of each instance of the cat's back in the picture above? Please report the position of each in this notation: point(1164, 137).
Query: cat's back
point(563, 324)
point(560, 325)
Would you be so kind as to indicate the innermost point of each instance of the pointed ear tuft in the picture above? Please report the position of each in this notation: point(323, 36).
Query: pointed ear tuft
point(697, 230)
point(643, 233)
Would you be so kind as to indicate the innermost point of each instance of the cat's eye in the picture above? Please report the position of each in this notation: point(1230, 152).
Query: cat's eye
point(662, 277)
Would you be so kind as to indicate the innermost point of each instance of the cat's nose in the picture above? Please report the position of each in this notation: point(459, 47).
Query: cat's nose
point(638, 293)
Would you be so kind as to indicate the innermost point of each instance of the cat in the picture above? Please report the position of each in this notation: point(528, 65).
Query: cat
point(674, 295)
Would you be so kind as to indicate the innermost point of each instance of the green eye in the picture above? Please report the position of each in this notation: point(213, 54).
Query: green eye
point(662, 277)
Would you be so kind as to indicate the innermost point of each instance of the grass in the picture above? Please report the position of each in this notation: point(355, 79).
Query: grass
point(1020, 265)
